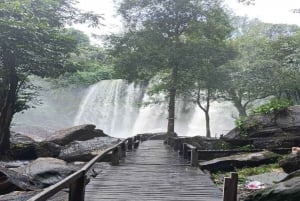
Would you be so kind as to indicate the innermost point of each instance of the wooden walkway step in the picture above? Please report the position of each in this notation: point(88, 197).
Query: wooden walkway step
point(152, 172)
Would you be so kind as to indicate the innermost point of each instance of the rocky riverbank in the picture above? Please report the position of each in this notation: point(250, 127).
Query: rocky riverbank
point(39, 164)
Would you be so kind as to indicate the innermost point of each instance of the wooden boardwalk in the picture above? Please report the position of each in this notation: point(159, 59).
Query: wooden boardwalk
point(152, 172)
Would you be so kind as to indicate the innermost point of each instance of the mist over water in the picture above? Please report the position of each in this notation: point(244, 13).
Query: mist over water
point(119, 109)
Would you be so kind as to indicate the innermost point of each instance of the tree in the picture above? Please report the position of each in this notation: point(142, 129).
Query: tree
point(254, 73)
point(286, 52)
point(33, 42)
point(92, 63)
point(163, 37)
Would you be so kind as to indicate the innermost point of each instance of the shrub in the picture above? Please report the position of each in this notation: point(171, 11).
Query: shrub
point(275, 106)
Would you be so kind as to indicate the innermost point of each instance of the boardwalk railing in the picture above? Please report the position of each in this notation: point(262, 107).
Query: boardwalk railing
point(191, 153)
point(76, 181)
point(188, 151)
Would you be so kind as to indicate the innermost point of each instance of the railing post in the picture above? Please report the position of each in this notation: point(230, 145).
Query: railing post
point(230, 187)
point(123, 150)
point(185, 151)
point(129, 144)
point(136, 144)
point(194, 157)
point(180, 146)
point(176, 147)
point(77, 189)
point(115, 157)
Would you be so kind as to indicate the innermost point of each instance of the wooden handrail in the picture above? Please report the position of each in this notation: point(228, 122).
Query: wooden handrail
point(76, 181)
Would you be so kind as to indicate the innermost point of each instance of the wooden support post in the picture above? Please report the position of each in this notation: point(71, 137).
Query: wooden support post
point(129, 144)
point(115, 156)
point(123, 150)
point(230, 187)
point(180, 146)
point(176, 145)
point(77, 189)
point(168, 140)
point(185, 151)
point(194, 157)
point(136, 144)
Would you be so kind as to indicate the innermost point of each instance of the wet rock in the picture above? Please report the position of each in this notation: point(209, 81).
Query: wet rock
point(13, 181)
point(47, 149)
point(25, 195)
point(287, 190)
point(48, 171)
point(13, 164)
point(86, 150)
point(25, 148)
point(268, 131)
point(290, 163)
point(229, 163)
point(79, 133)
point(18, 195)
point(22, 147)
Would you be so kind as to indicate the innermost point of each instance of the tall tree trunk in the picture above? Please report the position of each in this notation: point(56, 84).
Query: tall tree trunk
point(8, 99)
point(237, 102)
point(207, 120)
point(205, 110)
point(240, 107)
point(172, 98)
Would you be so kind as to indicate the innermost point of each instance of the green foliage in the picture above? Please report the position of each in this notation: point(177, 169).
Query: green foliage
point(182, 42)
point(274, 106)
point(246, 124)
point(246, 172)
point(240, 123)
point(262, 69)
point(85, 77)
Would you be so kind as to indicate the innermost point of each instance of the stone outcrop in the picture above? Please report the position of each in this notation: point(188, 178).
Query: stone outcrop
point(80, 133)
point(26, 195)
point(47, 171)
point(25, 148)
point(290, 163)
point(77, 138)
point(281, 130)
point(85, 150)
point(22, 146)
point(229, 163)
point(13, 181)
point(286, 190)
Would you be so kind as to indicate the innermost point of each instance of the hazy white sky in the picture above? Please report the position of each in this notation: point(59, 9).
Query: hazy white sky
point(272, 11)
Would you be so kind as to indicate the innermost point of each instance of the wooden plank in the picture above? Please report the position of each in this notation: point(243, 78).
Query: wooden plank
point(152, 172)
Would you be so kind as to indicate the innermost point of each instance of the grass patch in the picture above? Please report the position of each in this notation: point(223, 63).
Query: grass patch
point(246, 172)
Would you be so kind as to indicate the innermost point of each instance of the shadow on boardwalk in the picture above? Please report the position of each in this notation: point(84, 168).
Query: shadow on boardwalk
point(152, 172)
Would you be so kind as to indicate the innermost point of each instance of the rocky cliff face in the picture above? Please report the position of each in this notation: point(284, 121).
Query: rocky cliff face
point(269, 131)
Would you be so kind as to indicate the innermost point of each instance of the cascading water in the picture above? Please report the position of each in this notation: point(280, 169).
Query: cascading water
point(112, 105)
point(119, 109)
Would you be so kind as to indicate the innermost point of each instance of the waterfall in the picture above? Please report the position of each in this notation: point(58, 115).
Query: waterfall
point(118, 108)
point(112, 105)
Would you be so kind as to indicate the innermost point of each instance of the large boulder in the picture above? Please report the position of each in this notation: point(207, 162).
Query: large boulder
point(25, 148)
point(47, 171)
point(79, 133)
point(47, 149)
point(26, 195)
point(290, 163)
point(13, 181)
point(229, 163)
point(280, 130)
point(22, 146)
point(286, 190)
point(86, 150)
